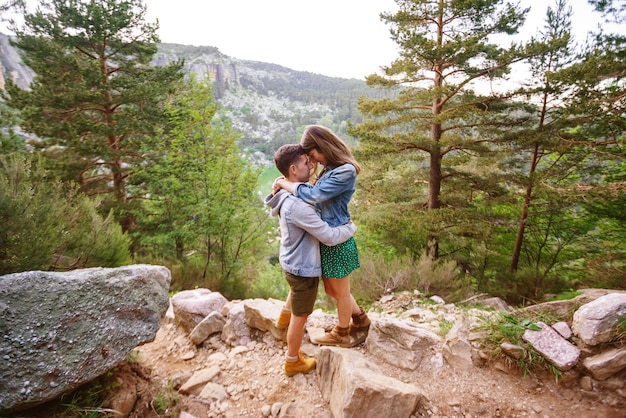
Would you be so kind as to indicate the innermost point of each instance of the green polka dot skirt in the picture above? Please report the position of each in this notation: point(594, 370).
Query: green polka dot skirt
point(340, 260)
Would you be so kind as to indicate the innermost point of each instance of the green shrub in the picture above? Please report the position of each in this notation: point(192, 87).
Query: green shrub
point(379, 275)
point(270, 283)
point(510, 327)
point(48, 225)
point(445, 326)
point(165, 403)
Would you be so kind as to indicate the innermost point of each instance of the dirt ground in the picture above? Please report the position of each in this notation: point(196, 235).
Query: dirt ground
point(255, 381)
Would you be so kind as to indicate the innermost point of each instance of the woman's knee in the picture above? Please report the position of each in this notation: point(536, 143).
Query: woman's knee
point(340, 288)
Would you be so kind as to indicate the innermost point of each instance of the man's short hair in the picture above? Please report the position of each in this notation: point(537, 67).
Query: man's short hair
point(287, 155)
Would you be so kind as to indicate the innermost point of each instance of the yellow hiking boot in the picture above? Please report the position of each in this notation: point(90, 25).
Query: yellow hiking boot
point(301, 365)
point(282, 322)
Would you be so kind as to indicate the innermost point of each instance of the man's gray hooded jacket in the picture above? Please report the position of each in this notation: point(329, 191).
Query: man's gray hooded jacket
point(301, 231)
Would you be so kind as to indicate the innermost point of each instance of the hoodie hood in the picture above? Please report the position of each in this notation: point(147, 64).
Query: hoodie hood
point(276, 201)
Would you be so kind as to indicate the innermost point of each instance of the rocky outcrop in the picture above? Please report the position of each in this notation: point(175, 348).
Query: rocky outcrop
point(354, 387)
point(11, 65)
point(214, 67)
point(190, 307)
point(405, 341)
point(596, 322)
point(61, 330)
point(549, 343)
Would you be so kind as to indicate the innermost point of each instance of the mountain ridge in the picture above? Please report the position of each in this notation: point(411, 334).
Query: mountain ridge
point(268, 104)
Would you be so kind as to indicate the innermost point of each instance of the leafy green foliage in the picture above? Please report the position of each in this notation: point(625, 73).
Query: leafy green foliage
point(445, 326)
point(204, 204)
point(378, 276)
point(48, 225)
point(437, 134)
point(88, 400)
point(94, 98)
point(270, 283)
point(10, 141)
point(520, 194)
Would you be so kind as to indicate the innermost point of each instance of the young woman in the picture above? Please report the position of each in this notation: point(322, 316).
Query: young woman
point(331, 193)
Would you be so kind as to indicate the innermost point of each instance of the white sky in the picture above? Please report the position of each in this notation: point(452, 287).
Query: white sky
point(339, 38)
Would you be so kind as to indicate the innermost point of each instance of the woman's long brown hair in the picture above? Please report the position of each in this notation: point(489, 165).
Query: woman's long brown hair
point(325, 141)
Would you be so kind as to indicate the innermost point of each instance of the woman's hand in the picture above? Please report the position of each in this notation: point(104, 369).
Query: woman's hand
point(276, 185)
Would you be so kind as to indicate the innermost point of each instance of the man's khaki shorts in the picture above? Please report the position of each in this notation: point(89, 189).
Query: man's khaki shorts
point(303, 293)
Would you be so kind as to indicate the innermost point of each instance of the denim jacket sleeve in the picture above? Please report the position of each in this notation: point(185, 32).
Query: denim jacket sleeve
point(338, 181)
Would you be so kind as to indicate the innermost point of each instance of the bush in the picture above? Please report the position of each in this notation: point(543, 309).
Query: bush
point(49, 226)
point(271, 283)
point(377, 277)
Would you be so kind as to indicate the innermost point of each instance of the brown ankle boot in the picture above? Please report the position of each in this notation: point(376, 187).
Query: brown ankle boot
point(338, 337)
point(360, 322)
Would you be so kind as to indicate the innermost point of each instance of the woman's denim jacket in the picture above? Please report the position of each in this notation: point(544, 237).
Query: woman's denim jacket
point(331, 193)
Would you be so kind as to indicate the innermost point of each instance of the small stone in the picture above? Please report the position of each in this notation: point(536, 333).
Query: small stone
point(276, 408)
point(586, 383)
point(266, 410)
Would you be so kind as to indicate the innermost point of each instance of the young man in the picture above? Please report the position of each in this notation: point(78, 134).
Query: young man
point(301, 231)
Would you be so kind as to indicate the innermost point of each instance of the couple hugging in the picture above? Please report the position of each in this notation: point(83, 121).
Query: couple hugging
point(311, 246)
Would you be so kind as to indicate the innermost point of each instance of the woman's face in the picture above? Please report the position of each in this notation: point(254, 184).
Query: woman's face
point(317, 157)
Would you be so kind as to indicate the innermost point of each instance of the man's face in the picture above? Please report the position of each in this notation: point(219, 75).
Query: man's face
point(302, 169)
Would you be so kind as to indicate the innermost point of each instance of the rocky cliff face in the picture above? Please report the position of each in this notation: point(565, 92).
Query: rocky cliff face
point(11, 65)
point(214, 67)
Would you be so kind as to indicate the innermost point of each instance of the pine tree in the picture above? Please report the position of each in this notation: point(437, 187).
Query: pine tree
point(95, 98)
point(541, 151)
point(428, 138)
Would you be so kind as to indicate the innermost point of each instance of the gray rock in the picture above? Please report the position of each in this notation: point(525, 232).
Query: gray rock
point(261, 314)
point(401, 343)
point(457, 350)
point(496, 303)
point(563, 329)
point(595, 322)
point(61, 330)
point(354, 387)
point(606, 364)
point(192, 306)
point(198, 380)
point(513, 350)
point(553, 346)
point(236, 331)
point(563, 308)
point(213, 392)
point(213, 323)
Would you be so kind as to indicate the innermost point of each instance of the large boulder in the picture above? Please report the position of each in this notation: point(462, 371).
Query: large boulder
point(354, 387)
point(597, 322)
point(61, 330)
point(401, 343)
